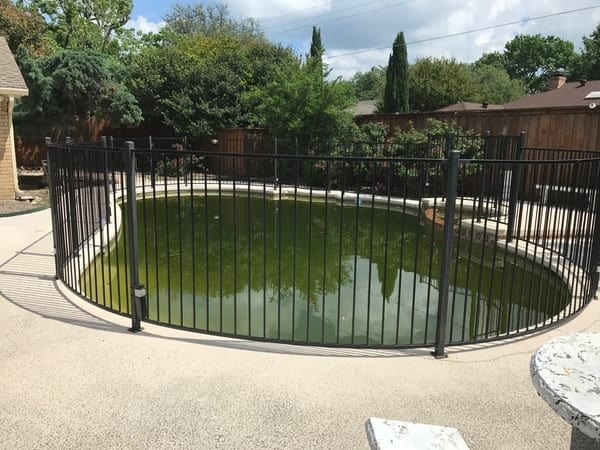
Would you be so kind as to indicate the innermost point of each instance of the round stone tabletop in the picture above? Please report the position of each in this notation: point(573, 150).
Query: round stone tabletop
point(566, 374)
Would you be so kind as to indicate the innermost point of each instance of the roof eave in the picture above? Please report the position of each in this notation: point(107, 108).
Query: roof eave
point(14, 92)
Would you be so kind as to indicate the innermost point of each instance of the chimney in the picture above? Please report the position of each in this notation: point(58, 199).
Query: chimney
point(557, 79)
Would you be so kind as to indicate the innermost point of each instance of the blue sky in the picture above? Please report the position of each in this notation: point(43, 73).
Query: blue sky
point(358, 34)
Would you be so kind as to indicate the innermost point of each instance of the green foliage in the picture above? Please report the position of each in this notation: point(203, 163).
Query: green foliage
point(69, 87)
point(436, 83)
point(495, 85)
point(21, 26)
point(588, 65)
point(198, 84)
point(396, 92)
point(494, 59)
point(187, 20)
point(301, 103)
point(84, 24)
point(530, 58)
point(316, 47)
point(370, 85)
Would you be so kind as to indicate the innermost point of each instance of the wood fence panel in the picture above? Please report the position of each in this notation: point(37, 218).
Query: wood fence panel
point(566, 128)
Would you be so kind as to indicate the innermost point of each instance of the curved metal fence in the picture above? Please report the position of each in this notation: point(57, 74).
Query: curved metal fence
point(324, 250)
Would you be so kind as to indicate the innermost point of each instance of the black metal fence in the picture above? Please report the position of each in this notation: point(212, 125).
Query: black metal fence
point(330, 250)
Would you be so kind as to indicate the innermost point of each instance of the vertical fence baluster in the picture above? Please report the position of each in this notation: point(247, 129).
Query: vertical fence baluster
point(137, 291)
point(515, 185)
point(442, 312)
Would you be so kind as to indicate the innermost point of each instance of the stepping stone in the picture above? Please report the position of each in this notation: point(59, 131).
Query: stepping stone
point(386, 434)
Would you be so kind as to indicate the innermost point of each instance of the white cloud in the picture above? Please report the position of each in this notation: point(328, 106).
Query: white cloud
point(351, 25)
point(280, 10)
point(144, 25)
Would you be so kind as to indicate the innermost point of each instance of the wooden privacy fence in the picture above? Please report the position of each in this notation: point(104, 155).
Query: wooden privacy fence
point(564, 128)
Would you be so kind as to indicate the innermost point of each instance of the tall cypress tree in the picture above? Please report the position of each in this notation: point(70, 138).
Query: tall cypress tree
point(395, 97)
point(316, 47)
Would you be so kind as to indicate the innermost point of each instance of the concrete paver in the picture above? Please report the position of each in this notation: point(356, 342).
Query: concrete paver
point(71, 376)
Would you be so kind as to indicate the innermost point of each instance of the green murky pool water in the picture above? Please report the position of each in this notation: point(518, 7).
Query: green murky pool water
point(314, 272)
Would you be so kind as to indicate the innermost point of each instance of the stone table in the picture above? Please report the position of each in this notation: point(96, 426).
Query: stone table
point(566, 374)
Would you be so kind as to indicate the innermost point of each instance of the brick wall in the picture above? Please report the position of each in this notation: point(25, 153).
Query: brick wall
point(7, 161)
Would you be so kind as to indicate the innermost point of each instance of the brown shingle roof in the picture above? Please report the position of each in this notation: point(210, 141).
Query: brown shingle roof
point(570, 94)
point(11, 80)
point(468, 106)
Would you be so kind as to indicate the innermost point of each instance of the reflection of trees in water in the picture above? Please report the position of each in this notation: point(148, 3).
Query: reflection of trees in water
point(253, 248)
point(292, 247)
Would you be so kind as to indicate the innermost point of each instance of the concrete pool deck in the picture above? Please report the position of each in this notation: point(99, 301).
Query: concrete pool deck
point(71, 376)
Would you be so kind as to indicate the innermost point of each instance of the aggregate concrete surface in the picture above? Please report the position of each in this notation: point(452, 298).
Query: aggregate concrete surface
point(72, 376)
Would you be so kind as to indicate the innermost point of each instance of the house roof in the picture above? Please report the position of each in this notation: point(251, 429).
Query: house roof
point(568, 95)
point(364, 107)
point(468, 106)
point(11, 80)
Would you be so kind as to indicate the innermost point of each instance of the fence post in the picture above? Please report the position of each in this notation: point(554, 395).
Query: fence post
point(53, 205)
point(515, 184)
point(72, 200)
point(137, 293)
point(595, 256)
point(446, 257)
point(106, 183)
point(484, 174)
point(276, 181)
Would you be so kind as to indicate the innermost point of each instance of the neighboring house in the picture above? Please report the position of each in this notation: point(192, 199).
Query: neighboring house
point(561, 94)
point(364, 107)
point(469, 106)
point(12, 86)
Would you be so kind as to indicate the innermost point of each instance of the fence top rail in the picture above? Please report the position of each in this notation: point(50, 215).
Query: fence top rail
point(559, 150)
point(372, 159)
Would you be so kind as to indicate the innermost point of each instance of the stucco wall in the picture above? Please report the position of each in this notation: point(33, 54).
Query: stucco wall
point(7, 156)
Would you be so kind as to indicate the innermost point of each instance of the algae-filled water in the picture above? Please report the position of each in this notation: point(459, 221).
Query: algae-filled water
point(313, 272)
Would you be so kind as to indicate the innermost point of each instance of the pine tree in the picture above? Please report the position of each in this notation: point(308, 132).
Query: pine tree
point(395, 97)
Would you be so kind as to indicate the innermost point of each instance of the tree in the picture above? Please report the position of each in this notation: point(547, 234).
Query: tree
point(494, 59)
point(108, 15)
point(23, 27)
point(197, 85)
point(299, 102)
point(68, 88)
point(588, 65)
point(369, 85)
point(207, 20)
point(84, 24)
point(435, 83)
point(531, 58)
point(395, 97)
point(495, 86)
point(316, 47)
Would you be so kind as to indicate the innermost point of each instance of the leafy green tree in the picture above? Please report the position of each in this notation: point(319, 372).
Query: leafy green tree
point(436, 83)
point(109, 15)
point(495, 86)
point(395, 97)
point(494, 59)
point(369, 85)
point(21, 26)
point(299, 102)
point(197, 85)
point(207, 20)
point(68, 88)
point(530, 58)
point(316, 46)
point(84, 24)
point(588, 65)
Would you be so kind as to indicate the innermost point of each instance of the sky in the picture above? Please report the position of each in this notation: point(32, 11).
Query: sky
point(358, 34)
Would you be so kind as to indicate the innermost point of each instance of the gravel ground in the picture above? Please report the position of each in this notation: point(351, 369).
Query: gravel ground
point(40, 199)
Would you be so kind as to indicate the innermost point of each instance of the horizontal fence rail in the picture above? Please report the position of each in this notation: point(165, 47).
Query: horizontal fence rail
point(378, 251)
